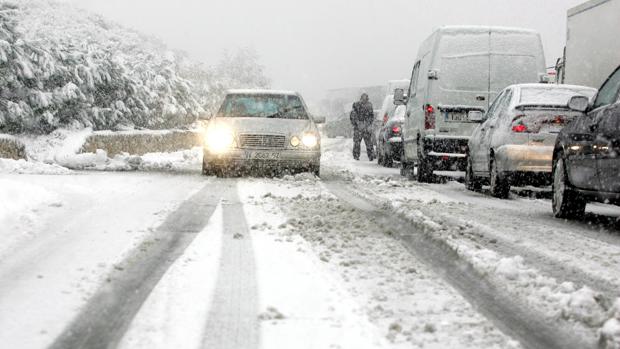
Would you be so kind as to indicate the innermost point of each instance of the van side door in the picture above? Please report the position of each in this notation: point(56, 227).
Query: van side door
point(410, 129)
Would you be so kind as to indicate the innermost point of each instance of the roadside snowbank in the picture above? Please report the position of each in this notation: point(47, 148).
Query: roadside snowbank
point(181, 161)
point(583, 310)
point(31, 167)
point(62, 149)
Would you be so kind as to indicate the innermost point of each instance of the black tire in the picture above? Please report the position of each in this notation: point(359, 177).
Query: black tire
point(380, 157)
point(471, 181)
point(388, 160)
point(500, 188)
point(208, 170)
point(567, 203)
point(316, 170)
point(407, 170)
point(425, 168)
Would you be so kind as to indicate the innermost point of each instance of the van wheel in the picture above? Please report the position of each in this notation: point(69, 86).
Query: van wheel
point(500, 188)
point(388, 160)
point(567, 203)
point(425, 171)
point(407, 170)
point(471, 181)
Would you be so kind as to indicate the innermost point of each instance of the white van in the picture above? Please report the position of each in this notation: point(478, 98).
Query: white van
point(458, 72)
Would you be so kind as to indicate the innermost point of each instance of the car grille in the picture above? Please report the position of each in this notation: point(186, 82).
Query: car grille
point(262, 141)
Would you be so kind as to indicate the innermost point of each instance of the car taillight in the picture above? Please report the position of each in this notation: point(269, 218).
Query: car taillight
point(429, 117)
point(559, 120)
point(520, 128)
point(396, 129)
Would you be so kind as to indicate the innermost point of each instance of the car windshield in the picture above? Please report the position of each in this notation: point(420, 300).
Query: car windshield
point(552, 96)
point(263, 106)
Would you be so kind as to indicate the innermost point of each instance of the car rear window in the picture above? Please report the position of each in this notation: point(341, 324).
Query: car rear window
point(263, 106)
point(555, 96)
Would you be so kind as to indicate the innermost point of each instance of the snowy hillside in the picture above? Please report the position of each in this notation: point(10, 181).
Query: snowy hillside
point(61, 66)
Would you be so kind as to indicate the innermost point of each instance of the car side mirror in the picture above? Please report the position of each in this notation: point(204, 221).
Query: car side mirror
point(579, 103)
point(318, 119)
point(475, 116)
point(399, 97)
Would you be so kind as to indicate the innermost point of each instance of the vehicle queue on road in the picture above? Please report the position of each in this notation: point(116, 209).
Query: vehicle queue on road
point(480, 102)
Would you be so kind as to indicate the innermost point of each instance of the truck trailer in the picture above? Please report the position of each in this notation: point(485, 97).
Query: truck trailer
point(592, 50)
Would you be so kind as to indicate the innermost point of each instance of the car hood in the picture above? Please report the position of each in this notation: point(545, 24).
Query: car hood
point(265, 126)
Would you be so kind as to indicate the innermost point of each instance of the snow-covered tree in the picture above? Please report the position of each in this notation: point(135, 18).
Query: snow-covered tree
point(61, 66)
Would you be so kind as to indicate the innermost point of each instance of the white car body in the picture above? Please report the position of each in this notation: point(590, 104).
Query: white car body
point(519, 132)
point(459, 70)
point(259, 142)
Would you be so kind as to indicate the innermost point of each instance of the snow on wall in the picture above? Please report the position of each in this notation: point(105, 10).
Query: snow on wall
point(64, 67)
point(142, 142)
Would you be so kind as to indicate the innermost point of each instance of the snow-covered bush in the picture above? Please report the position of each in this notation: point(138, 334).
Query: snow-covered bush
point(61, 66)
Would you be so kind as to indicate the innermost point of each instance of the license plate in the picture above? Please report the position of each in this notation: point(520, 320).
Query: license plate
point(262, 155)
point(456, 117)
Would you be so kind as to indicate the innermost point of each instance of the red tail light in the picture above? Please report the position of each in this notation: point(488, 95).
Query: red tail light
point(519, 128)
point(429, 117)
point(396, 129)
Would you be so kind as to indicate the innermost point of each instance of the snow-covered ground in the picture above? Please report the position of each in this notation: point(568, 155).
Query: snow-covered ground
point(290, 262)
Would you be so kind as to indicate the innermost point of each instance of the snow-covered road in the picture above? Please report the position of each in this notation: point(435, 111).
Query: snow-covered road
point(358, 259)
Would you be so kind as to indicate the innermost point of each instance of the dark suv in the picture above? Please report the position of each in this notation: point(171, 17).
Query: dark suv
point(586, 160)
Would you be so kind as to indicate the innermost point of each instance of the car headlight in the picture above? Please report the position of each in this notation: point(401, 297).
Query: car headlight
point(219, 139)
point(309, 140)
point(295, 141)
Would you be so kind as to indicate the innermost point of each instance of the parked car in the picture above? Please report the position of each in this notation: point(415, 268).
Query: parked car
point(262, 129)
point(586, 163)
point(514, 145)
point(389, 138)
point(458, 71)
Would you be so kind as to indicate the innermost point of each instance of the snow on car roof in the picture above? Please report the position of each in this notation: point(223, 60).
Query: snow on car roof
point(554, 86)
point(260, 92)
point(477, 28)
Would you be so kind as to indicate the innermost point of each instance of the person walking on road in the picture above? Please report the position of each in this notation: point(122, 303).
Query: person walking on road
point(362, 119)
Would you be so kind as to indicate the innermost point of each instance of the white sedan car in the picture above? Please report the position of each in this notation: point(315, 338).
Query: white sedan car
point(514, 144)
point(260, 130)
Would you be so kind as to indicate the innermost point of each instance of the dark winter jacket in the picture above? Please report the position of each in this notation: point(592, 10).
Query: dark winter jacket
point(362, 115)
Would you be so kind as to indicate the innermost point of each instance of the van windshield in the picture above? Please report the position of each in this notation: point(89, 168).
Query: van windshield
point(263, 106)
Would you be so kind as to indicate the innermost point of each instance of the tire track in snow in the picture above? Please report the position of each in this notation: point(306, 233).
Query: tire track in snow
point(105, 319)
point(498, 306)
point(233, 316)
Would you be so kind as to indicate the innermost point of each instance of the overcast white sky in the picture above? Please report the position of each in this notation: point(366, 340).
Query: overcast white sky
point(315, 45)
